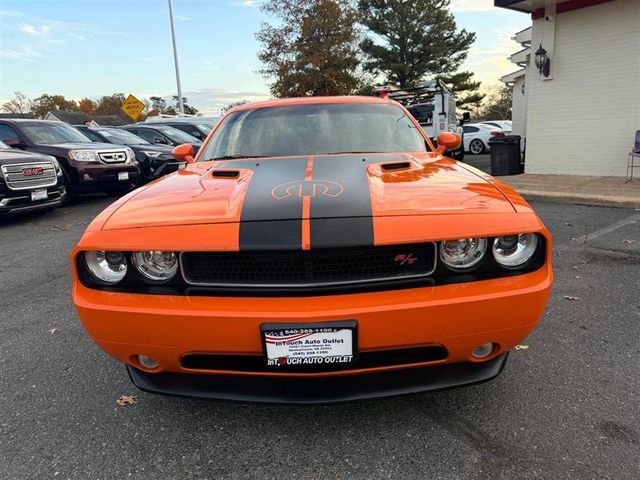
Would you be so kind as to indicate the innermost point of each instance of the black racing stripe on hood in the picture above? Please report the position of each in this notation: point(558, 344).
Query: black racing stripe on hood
point(344, 220)
point(267, 222)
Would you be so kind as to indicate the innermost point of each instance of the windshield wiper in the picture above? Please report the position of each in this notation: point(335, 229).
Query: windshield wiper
point(234, 157)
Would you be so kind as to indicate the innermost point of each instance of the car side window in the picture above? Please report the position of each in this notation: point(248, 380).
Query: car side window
point(191, 130)
point(148, 135)
point(92, 135)
point(8, 133)
point(470, 129)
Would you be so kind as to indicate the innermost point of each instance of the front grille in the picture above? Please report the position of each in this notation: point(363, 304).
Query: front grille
point(24, 176)
point(113, 157)
point(372, 359)
point(310, 268)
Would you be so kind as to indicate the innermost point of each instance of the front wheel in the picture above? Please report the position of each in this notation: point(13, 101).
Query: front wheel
point(476, 147)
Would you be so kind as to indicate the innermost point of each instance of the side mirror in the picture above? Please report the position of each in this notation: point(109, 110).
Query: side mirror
point(183, 153)
point(448, 141)
point(14, 143)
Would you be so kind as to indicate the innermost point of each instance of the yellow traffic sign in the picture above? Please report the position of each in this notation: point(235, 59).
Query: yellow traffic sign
point(132, 107)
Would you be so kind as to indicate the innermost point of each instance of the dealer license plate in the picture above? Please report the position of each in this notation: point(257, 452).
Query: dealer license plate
point(40, 194)
point(310, 345)
point(122, 176)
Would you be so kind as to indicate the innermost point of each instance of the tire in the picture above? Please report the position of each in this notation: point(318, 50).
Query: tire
point(476, 147)
point(67, 197)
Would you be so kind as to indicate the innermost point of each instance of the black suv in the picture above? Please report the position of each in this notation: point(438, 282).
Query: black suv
point(155, 160)
point(162, 134)
point(87, 166)
point(29, 181)
point(194, 126)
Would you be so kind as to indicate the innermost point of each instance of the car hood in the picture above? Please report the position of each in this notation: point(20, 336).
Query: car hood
point(60, 147)
point(20, 156)
point(313, 188)
point(151, 148)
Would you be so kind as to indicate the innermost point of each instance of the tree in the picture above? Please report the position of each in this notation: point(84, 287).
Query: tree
point(110, 104)
point(464, 89)
point(188, 109)
point(313, 50)
point(46, 103)
point(234, 104)
point(498, 105)
point(420, 39)
point(87, 106)
point(158, 104)
point(20, 103)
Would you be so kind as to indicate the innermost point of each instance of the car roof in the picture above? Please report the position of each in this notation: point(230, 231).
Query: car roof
point(283, 102)
point(33, 120)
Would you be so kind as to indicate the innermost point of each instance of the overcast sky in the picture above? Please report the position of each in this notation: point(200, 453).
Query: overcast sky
point(90, 48)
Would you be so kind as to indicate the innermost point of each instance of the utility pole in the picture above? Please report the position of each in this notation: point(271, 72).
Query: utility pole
point(175, 59)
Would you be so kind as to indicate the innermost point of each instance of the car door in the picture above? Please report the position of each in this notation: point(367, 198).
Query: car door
point(469, 134)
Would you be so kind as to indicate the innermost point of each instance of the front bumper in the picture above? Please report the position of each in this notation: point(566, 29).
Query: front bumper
point(19, 201)
point(97, 176)
point(319, 391)
point(458, 317)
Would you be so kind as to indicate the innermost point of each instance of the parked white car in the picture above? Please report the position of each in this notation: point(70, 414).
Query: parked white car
point(477, 136)
point(501, 124)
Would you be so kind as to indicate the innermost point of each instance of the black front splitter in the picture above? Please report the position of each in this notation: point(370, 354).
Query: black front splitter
point(318, 390)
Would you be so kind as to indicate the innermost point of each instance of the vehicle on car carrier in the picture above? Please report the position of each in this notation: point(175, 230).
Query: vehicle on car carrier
point(433, 105)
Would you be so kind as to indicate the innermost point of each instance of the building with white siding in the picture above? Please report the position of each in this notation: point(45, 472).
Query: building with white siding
point(580, 116)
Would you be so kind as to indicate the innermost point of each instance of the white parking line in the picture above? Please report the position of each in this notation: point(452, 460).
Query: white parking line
point(610, 228)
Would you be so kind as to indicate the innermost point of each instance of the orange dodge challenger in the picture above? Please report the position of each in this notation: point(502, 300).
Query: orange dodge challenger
point(316, 250)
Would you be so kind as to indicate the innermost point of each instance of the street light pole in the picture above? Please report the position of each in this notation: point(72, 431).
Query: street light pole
point(175, 59)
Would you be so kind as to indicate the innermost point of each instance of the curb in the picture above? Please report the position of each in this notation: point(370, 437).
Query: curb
point(580, 198)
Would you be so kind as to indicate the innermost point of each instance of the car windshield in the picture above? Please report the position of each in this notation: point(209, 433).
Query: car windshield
point(51, 133)
point(315, 129)
point(176, 135)
point(121, 136)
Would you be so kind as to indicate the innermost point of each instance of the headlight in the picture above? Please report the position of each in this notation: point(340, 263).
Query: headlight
point(107, 267)
point(463, 253)
point(131, 155)
point(152, 154)
point(155, 265)
point(83, 155)
point(514, 251)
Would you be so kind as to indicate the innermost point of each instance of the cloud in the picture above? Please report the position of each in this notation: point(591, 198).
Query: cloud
point(250, 3)
point(211, 100)
point(34, 29)
point(491, 62)
point(182, 18)
point(22, 53)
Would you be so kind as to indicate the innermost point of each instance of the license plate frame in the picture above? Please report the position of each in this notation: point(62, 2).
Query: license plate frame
point(123, 176)
point(310, 356)
point(39, 195)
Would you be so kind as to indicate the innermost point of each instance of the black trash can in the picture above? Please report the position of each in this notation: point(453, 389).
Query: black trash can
point(505, 155)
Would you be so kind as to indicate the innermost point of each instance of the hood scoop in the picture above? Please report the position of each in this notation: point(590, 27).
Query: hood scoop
point(225, 173)
point(390, 167)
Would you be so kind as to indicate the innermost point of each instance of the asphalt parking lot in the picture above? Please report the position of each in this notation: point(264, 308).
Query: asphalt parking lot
point(566, 407)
